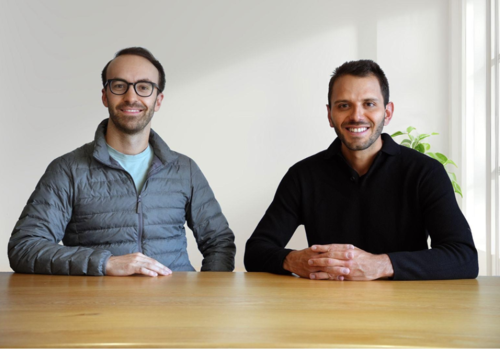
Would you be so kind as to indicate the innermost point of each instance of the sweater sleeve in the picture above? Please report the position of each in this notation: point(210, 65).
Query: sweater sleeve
point(204, 217)
point(33, 245)
point(452, 254)
point(265, 250)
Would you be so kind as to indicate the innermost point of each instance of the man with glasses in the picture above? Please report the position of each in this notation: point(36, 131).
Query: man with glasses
point(119, 203)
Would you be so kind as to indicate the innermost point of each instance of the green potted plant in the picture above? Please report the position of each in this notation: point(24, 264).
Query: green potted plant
point(414, 140)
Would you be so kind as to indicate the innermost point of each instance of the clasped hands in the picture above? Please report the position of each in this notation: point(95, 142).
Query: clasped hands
point(338, 262)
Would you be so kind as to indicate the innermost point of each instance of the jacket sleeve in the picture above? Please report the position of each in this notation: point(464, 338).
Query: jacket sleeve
point(33, 245)
point(265, 250)
point(452, 254)
point(204, 217)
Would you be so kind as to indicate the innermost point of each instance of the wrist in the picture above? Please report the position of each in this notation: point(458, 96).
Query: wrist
point(287, 262)
point(386, 270)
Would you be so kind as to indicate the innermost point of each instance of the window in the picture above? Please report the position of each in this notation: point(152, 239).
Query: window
point(476, 125)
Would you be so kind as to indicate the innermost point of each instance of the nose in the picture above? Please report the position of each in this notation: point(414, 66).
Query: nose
point(130, 95)
point(357, 113)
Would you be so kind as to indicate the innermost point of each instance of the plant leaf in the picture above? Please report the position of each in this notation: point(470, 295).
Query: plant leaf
point(397, 133)
point(410, 129)
point(451, 162)
point(406, 143)
point(415, 143)
point(445, 160)
point(427, 146)
point(432, 155)
point(441, 158)
point(457, 188)
point(435, 133)
point(423, 136)
point(420, 147)
point(452, 176)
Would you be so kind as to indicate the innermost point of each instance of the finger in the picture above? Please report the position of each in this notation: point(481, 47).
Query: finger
point(154, 265)
point(325, 276)
point(337, 270)
point(320, 248)
point(341, 247)
point(330, 247)
point(325, 262)
point(337, 254)
point(147, 272)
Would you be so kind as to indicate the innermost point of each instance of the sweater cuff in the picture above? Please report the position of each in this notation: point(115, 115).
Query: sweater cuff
point(97, 263)
point(279, 260)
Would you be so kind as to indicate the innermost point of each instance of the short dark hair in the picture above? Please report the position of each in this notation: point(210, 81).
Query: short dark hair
point(361, 68)
point(138, 51)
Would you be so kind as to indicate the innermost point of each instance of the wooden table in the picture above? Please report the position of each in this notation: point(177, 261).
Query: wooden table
point(211, 309)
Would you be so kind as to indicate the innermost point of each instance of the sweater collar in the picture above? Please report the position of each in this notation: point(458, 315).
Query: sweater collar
point(160, 148)
point(389, 147)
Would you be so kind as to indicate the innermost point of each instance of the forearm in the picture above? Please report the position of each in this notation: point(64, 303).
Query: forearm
point(31, 254)
point(264, 256)
point(215, 241)
point(454, 261)
point(204, 216)
point(453, 254)
point(220, 257)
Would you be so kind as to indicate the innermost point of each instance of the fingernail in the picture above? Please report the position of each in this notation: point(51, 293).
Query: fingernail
point(312, 276)
point(314, 247)
point(349, 255)
point(345, 271)
point(341, 278)
point(310, 262)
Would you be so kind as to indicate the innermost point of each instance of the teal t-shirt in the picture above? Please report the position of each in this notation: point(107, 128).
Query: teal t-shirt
point(136, 165)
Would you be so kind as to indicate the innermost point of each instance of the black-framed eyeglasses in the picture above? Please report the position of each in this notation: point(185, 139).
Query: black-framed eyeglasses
point(120, 87)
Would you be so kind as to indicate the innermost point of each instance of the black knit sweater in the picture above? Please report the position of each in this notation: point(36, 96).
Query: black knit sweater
point(404, 198)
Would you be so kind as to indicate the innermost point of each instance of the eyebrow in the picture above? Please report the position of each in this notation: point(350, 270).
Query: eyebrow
point(143, 79)
point(365, 100)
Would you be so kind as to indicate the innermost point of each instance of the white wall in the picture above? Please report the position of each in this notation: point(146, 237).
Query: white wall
point(246, 85)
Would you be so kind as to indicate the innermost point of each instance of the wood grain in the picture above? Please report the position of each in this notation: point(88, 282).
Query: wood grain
point(251, 310)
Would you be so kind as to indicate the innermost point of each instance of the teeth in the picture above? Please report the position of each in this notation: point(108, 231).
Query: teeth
point(357, 129)
point(132, 110)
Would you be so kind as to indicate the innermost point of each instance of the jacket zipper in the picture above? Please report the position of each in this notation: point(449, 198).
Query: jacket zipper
point(141, 224)
point(138, 209)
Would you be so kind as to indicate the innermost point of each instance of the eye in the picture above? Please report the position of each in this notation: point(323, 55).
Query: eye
point(342, 106)
point(370, 104)
point(118, 85)
point(144, 86)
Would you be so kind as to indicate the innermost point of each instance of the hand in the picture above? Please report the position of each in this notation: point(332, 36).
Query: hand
point(300, 263)
point(362, 266)
point(136, 263)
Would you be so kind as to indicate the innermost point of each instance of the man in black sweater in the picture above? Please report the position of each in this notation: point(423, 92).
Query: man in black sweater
point(368, 204)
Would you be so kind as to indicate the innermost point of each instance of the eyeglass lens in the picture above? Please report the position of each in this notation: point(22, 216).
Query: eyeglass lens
point(142, 88)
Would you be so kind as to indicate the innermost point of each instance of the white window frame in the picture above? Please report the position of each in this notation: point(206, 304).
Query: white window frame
point(474, 122)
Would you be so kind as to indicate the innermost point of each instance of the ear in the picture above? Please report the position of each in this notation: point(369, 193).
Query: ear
point(389, 112)
point(158, 102)
point(328, 115)
point(104, 98)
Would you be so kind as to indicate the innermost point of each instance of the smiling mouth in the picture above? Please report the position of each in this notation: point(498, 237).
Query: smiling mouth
point(357, 130)
point(131, 110)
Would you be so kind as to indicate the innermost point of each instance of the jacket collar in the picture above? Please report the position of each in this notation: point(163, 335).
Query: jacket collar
point(389, 147)
point(160, 148)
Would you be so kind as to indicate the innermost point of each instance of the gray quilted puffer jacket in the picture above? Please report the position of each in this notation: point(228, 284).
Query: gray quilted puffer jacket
point(87, 200)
